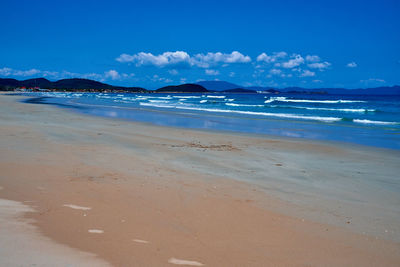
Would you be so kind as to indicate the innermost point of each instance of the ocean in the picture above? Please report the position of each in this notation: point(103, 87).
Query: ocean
point(366, 120)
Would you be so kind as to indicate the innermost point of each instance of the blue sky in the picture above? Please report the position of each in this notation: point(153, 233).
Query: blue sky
point(155, 43)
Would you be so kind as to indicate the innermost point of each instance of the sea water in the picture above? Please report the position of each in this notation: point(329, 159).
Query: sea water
point(367, 120)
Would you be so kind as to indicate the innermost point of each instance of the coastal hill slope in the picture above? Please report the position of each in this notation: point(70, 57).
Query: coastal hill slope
point(218, 85)
point(183, 88)
point(64, 84)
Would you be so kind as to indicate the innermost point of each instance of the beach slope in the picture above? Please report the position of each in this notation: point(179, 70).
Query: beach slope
point(97, 191)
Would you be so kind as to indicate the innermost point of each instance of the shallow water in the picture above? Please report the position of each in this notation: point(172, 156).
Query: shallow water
point(366, 120)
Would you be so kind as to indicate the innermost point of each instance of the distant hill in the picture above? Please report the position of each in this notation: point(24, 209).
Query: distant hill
point(64, 84)
point(183, 88)
point(218, 85)
point(383, 90)
point(204, 86)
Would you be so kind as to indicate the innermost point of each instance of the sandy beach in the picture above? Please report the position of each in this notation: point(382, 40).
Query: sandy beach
point(81, 190)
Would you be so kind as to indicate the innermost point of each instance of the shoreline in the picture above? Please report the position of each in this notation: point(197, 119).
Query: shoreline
point(155, 187)
point(327, 142)
point(238, 121)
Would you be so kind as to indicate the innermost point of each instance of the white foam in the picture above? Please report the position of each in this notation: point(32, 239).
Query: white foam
point(272, 99)
point(242, 105)
point(356, 110)
point(203, 101)
point(76, 207)
point(215, 96)
point(375, 122)
point(95, 231)
point(140, 241)
point(266, 114)
point(184, 262)
point(158, 101)
point(285, 99)
point(164, 97)
point(190, 96)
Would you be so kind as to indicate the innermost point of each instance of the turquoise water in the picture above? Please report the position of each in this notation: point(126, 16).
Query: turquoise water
point(366, 120)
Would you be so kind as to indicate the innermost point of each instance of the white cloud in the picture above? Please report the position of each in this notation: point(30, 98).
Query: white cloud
point(123, 58)
point(23, 73)
point(351, 64)
point(212, 72)
point(30, 72)
point(166, 58)
point(295, 61)
point(275, 71)
point(125, 75)
point(319, 65)
point(113, 74)
point(317, 81)
point(157, 78)
point(313, 58)
point(173, 72)
point(307, 73)
point(5, 71)
point(373, 80)
point(210, 59)
point(263, 57)
point(181, 57)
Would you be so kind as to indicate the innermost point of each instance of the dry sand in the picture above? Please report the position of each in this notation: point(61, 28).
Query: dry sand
point(140, 195)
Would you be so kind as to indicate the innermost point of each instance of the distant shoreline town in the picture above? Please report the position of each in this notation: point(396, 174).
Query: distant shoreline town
point(86, 85)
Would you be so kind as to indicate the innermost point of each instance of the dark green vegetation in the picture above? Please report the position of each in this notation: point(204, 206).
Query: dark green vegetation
point(183, 88)
point(65, 85)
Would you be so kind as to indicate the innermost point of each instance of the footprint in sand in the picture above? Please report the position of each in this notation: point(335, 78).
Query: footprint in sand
point(184, 262)
point(140, 241)
point(95, 231)
point(76, 207)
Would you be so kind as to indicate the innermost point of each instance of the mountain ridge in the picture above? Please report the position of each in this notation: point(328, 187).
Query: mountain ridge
point(381, 90)
point(75, 84)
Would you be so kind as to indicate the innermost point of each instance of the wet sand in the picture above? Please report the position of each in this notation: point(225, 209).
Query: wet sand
point(139, 195)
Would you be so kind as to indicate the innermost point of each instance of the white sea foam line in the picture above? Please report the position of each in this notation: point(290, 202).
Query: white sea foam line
point(278, 115)
point(184, 262)
point(215, 96)
point(242, 105)
point(203, 101)
point(158, 101)
point(284, 99)
point(141, 241)
point(95, 231)
point(360, 110)
point(191, 96)
point(76, 207)
point(375, 122)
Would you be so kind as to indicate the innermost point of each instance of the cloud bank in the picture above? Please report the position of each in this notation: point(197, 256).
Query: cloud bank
point(110, 74)
point(183, 58)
